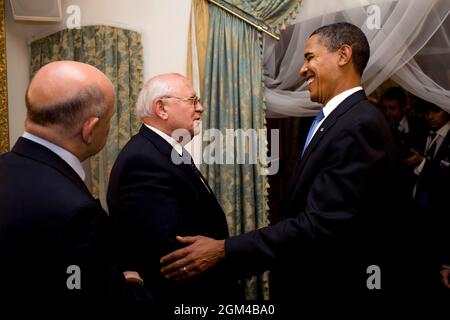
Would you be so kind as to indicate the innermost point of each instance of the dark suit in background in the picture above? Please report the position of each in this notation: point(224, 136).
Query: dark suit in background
point(431, 211)
point(410, 133)
point(415, 139)
point(152, 200)
point(49, 221)
point(434, 180)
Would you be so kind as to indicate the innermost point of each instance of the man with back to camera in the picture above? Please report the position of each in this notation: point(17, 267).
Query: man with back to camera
point(50, 225)
point(152, 198)
point(337, 207)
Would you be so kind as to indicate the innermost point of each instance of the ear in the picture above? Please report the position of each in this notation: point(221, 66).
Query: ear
point(88, 129)
point(345, 54)
point(160, 110)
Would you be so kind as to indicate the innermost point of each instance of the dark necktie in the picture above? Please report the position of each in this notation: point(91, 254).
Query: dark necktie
point(422, 197)
point(187, 159)
point(319, 117)
point(431, 149)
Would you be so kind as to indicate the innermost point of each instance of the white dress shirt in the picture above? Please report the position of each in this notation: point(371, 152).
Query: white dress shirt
point(67, 156)
point(174, 143)
point(333, 103)
point(403, 125)
point(177, 146)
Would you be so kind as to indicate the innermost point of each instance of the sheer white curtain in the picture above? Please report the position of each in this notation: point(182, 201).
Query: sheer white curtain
point(411, 46)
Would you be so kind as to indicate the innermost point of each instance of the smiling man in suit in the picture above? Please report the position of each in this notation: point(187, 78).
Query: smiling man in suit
point(337, 202)
point(54, 236)
point(152, 197)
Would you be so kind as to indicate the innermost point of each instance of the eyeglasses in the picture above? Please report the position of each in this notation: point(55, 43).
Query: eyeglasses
point(192, 100)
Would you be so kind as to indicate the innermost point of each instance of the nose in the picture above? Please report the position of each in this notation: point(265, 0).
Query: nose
point(199, 107)
point(303, 70)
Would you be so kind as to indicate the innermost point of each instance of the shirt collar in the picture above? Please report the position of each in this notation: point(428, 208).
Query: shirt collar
point(336, 100)
point(443, 131)
point(403, 125)
point(174, 143)
point(67, 156)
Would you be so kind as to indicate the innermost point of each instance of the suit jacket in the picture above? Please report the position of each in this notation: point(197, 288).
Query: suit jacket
point(152, 200)
point(432, 207)
point(335, 212)
point(48, 222)
point(415, 139)
point(434, 179)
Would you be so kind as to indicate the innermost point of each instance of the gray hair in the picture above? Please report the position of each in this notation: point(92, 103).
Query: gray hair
point(156, 87)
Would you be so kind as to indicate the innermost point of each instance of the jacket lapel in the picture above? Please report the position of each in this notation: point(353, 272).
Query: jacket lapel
point(322, 131)
point(186, 164)
point(162, 145)
point(444, 149)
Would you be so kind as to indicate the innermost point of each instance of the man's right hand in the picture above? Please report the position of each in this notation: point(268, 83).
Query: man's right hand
point(200, 255)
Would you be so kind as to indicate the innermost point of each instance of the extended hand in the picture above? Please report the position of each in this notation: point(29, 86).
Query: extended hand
point(200, 255)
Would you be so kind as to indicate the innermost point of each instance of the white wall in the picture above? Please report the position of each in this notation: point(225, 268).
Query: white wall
point(163, 25)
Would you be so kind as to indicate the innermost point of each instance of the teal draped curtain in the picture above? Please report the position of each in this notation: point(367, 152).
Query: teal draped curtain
point(233, 99)
point(117, 53)
point(271, 15)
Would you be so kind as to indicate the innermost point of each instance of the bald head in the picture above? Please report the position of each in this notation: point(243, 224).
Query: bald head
point(71, 105)
point(64, 93)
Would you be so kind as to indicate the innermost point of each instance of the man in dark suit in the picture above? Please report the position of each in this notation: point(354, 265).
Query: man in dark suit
point(433, 171)
point(152, 197)
point(54, 236)
point(336, 208)
point(409, 133)
point(430, 206)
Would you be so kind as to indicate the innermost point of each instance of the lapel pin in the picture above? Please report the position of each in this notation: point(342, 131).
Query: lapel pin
point(321, 129)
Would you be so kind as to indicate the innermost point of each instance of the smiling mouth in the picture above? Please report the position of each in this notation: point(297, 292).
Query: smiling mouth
point(309, 80)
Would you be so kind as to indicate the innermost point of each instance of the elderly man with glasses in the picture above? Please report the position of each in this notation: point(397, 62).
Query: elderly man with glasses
point(152, 199)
